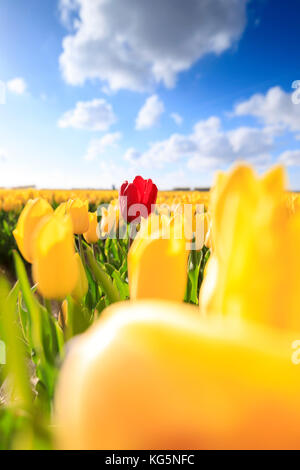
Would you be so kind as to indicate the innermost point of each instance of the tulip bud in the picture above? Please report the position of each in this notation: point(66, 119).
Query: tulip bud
point(61, 209)
point(55, 268)
point(142, 192)
point(203, 230)
point(91, 235)
point(148, 279)
point(82, 284)
point(34, 211)
point(79, 212)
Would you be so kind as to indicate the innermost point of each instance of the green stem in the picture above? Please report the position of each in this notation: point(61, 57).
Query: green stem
point(47, 304)
point(32, 306)
point(81, 251)
point(103, 278)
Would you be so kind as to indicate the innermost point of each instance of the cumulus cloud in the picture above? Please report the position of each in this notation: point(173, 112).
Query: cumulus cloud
point(17, 86)
point(99, 146)
point(114, 174)
point(177, 118)
point(150, 113)
point(95, 115)
point(134, 44)
point(132, 155)
point(248, 141)
point(275, 108)
point(66, 8)
point(207, 147)
point(290, 158)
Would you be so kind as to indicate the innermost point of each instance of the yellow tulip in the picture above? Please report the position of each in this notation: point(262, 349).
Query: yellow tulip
point(14, 199)
point(203, 230)
point(109, 219)
point(8, 204)
point(91, 236)
point(82, 284)
point(155, 375)
point(61, 209)
point(155, 226)
point(191, 225)
point(79, 212)
point(157, 266)
point(55, 268)
point(255, 270)
point(34, 211)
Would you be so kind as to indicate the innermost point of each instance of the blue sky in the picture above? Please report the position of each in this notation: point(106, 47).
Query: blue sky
point(97, 91)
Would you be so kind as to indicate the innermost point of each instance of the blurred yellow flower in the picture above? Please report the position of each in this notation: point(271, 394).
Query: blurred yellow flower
point(14, 199)
point(61, 209)
point(193, 226)
point(79, 212)
point(109, 219)
point(91, 236)
point(55, 268)
point(157, 263)
point(34, 211)
point(255, 270)
point(11, 204)
point(155, 225)
point(155, 375)
point(203, 230)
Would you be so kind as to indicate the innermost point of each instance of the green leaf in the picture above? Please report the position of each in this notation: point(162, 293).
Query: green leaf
point(79, 319)
point(109, 268)
point(31, 304)
point(40, 331)
point(101, 305)
point(121, 285)
point(15, 350)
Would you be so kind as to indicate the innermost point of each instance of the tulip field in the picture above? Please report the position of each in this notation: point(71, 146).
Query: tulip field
point(142, 319)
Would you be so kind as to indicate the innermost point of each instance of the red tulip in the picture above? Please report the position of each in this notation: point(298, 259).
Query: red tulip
point(142, 192)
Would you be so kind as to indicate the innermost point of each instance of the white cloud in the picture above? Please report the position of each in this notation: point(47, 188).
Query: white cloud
point(275, 108)
point(115, 174)
point(174, 179)
point(207, 147)
point(290, 158)
point(177, 118)
point(132, 155)
point(99, 146)
point(134, 44)
point(66, 7)
point(249, 141)
point(17, 86)
point(95, 115)
point(150, 113)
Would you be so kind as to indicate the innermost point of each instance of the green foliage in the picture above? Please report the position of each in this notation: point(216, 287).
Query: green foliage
point(196, 266)
point(8, 221)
